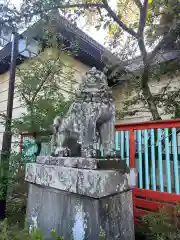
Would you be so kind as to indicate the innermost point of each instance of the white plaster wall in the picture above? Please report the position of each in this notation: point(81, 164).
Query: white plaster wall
point(125, 91)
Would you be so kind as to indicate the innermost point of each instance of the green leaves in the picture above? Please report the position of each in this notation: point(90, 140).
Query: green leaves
point(43, 83)
point(127, 11)
point(15, 233)
point(164, 224)
point(54, 235)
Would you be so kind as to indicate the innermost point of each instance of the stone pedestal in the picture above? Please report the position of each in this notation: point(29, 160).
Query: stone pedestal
point(79, 200)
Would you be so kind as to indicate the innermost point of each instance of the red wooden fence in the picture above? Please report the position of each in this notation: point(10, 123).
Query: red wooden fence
point(146, 200)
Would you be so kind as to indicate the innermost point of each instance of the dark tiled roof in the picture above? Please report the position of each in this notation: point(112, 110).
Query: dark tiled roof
point(124, 71)
point(89, 51)
point(137, 63)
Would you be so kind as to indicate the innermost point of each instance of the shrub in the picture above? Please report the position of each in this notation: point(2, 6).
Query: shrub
point(16, 233)
point(164, 224)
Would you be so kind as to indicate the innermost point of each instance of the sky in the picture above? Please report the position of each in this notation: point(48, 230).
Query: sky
point(99, 36)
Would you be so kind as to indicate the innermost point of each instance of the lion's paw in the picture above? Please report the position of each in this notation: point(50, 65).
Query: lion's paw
point(63, 152)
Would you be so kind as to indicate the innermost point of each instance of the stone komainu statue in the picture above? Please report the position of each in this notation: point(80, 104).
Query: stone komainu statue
point(90, 119)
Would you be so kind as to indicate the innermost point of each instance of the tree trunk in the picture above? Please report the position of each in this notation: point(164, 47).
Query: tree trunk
point(148, 95)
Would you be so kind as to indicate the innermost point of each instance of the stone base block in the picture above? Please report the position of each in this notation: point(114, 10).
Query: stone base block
point(81, 198)
point(80, 217)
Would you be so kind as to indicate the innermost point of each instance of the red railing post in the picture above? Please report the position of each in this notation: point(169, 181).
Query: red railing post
point(21, 142)
point(132, 149)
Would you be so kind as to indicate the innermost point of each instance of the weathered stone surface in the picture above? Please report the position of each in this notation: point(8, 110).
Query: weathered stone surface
point(92, 183)
point(90, 119)
point(114, 164)
point(80, 218)
point(85, 163)
point(74, 162)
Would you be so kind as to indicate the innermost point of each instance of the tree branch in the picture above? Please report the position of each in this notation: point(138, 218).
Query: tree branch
point(118, 21)
point(143, 50)
point(39, 11)
point(138, 4)
point(3, 115)
point(44, 80)
point(142, 20)
point(159, 46)
point(148, 95)
point(142, 23)
point(166, 87)
point(40, 86)
point(25, 98)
